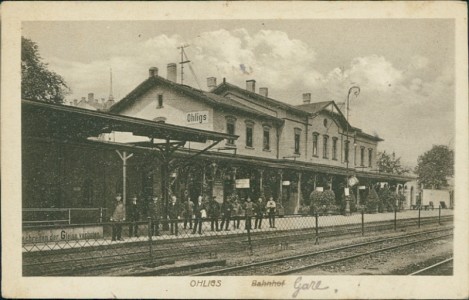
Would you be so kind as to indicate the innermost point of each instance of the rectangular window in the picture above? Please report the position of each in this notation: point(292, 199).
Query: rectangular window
point(266, 141)
point(315, 144)
point(362, 156)
point(230, 129)
point(334, 148)
point(370, 157)
point(297, 143)
point(346, 151)
point(160, 101)
point(325, 147)
point(249, 136)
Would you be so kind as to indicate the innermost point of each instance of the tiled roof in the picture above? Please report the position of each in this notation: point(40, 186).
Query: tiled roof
point(208, 97)
point(227, 86)
point(314, 107)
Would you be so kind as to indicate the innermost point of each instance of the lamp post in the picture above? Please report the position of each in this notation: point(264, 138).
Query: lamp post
point(356, 91)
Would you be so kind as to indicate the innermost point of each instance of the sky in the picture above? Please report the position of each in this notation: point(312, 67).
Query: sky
point(404, 67)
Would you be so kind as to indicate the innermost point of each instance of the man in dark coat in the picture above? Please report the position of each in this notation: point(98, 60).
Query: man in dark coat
point(200, 212)
point(188, 212)
point(154, 212)
point(226, 209)
point(173, 215)
point(133, 216)
point(214, 211)
point(248, 211)
point(259, 209)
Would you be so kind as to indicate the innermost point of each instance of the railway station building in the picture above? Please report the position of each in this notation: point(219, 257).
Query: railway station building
point(179, 140)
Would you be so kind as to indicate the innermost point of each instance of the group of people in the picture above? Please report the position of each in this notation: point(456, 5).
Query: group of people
point(193, 214)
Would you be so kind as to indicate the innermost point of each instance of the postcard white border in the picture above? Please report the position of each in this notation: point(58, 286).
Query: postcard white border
point(342, 287)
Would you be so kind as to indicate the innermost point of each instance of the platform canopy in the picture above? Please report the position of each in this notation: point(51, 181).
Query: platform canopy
point(46, 120)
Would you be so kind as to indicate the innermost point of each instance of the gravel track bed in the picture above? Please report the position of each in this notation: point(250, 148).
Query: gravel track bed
point(285, 266)
point(277, 251)
point(391, 262)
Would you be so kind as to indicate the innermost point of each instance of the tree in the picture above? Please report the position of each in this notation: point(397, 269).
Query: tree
point(434, 166)
point(37, 82)
point(390, 164)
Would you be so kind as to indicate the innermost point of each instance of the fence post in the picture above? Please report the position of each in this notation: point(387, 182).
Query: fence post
point(150, 233)
point(248, 228)
point(419, 217)
point(317, 229)
point(439, 215)
point(69, 216)
point(363, 222)
point(100, 215)
point(395, 218)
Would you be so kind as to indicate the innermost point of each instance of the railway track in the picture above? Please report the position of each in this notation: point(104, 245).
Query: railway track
point(81, 260)
point(444, 267)
point(298, 263)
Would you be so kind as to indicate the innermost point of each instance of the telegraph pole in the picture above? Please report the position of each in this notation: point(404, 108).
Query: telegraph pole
point(183, 54)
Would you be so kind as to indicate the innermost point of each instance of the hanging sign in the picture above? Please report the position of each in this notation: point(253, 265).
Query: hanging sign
point(242, 183)
point(347, 192)
point(286, 182)
point(352, 181)
point(197, 117)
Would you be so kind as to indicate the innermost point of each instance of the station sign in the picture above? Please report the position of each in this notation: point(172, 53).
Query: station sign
point(362, 187)
point(320, 189)
point(197, 117)
point(286, 182)
point(242, 183)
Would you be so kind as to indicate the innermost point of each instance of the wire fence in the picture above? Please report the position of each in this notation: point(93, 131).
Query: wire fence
point(54, 216)
point(79, 249)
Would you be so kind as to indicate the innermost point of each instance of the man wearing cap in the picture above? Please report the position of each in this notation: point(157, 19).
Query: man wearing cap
point(259, 208)
point(271, 207)
point(200, 213)
point(173, 215)
point(188, 212)
point(214, 211)
point(134, 217)
point(248, 208)
point(117, 217)
point(226, 209)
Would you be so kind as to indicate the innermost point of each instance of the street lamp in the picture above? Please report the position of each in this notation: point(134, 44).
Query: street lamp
point(356, 91)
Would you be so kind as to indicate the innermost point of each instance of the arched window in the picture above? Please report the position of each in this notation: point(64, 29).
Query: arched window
point(230, 128)
point(315, 144)
point(325, 146)
point(297, 140)
point(249, 133)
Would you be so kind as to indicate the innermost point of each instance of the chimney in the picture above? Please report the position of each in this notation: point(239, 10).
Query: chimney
point(264, 91)
point(102, 100)
point(83, 99)
point(211, 82)
point(90, 97)
point(251, 85)
point(306, 98)
point(75, 102)
point(152, 72)
point(171, 73)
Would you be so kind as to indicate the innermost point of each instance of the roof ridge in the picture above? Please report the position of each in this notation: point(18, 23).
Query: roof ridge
point(206, 95)
point(293, 107)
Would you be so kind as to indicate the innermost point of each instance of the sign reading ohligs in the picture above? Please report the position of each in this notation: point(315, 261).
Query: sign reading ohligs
point(197, 117)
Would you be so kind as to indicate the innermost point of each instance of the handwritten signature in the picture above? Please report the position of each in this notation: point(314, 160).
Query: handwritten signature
point(313, 285)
